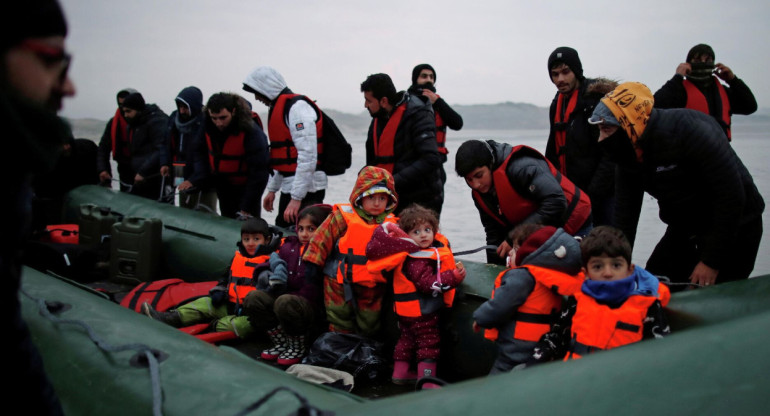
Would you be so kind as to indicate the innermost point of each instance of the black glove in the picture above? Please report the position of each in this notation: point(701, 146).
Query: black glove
point(218, 295)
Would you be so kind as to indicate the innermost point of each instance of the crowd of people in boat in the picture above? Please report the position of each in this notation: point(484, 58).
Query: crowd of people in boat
point(608, 144)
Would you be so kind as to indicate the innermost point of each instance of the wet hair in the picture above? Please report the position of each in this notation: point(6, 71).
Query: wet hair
point(256, 226)
point(380, 85)
point(521, 233)
point(471, 155)
point(607, 241)
point(414, 215)
point(315, 213)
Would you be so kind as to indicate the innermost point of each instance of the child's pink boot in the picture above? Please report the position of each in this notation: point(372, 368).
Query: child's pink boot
point(427, 368)
point(402, 374)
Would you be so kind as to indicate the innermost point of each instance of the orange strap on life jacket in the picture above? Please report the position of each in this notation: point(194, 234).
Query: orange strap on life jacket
point(384, 155)
point(231, 160)
point(560, 127)
point(697, 101)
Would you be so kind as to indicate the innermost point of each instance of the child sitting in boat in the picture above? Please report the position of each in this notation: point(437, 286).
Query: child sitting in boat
point(224, 305)
point(618, 304)
point(545, 263)
point(288, 316)
point(424, 278)
point(353, 295)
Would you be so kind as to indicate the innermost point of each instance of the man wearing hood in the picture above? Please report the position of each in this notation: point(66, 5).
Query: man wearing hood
point(402, 140)
point(183, 154)
point(572, 145)
point(293, 126)
point(115, 141)
point(424, 84)
point(697, 84)
point(33, 82)
point(514, 185)
point(705, 194)
point(145, 133)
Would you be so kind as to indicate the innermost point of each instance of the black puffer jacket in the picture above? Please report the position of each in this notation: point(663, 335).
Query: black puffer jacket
point(418, 162)
point(147, 134)
point(588, 166)
point(701, 185)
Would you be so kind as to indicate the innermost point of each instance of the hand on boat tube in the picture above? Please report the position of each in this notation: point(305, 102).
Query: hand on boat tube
point(703, 275)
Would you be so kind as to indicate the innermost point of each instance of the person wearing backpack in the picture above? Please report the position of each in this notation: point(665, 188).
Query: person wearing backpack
point(294, 126)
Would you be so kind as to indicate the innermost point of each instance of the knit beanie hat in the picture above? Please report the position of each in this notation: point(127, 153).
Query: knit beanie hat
point(416, 72)
point(134, 101)
point(700, 50)
point(567, 56)
point(533, 242)
point(30, 19)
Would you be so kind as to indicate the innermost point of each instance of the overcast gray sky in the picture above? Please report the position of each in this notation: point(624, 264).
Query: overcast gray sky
point(483, 51)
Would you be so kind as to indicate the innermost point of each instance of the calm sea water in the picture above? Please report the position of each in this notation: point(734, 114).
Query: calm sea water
point(460, 220)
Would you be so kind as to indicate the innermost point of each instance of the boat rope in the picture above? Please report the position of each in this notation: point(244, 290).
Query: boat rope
point(475, 250)
point(152, 361)
point(305, 409)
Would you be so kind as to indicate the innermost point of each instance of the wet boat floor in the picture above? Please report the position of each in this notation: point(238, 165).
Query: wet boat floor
point(254, 346)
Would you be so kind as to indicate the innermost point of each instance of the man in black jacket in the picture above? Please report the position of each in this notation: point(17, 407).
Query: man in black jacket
point(572, 145)
point(402, 140)
point(33, 82)
point(697, 85)
point(514, 185)
point(705, 194)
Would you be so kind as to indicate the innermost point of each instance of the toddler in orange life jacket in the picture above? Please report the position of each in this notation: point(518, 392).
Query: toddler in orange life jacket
point(424, 277)
point(526, 299)
point(288, 315)
point(353, 295)
point(224, 305)
point(618, 304)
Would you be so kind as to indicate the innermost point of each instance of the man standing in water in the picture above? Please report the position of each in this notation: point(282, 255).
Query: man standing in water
point(706, 195)
point(33, 82)
point(697, 84)
point(423, 83)
point(572, 147)
point(402, 140)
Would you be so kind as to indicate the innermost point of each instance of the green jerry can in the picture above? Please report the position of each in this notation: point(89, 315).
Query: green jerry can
point(95, 224)
point(135, 250)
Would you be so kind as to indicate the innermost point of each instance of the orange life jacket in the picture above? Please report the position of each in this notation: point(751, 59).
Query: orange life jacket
point(283, 154)
point(697, 101)
point(351, 247)
point(536, 315)
point(598, 327)
point(440, 132)
point(407, 301)
point(242, 279)
point(383, 144)
point(514, 208)
point(118, 129)
point(560, 127)
point(230, 162)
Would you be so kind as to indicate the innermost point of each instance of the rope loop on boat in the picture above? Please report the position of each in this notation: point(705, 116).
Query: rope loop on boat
point(157, 391)
point(306, 409)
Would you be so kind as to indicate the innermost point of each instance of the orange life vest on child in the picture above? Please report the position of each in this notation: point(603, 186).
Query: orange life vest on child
point(242, 279)
point(407, 301)
point(283, 154)
point(598, 327)
point(514, 208)
point(536, 315)
point(231, 161)
point(351, 258)
point(383, 144)
point(697, 101)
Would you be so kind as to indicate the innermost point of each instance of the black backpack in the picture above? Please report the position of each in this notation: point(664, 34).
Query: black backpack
point(337, 153)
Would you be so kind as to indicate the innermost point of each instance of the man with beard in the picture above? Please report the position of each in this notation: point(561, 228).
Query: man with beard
point(238, 156)
point(402, 140)
point(696, 85)
point(33, 82)
point(572, 145)
point(705, 194)
point(115, 141)
point(294, 124)
point(145, 136)
point(183, 155)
